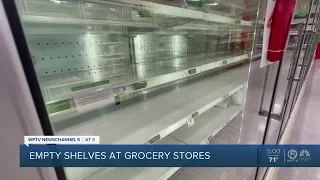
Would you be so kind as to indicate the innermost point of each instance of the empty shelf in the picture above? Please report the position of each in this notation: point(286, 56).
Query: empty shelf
point(173, 67)
point(77, 21)
point(155, 116)
point(138, 173)
point(203, 127)
point(154, 8)
point(152, 118)
point(207, 125)
point(189, 13)
point(156, 75)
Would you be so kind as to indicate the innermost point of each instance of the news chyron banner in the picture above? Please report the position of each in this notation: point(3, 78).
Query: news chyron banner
point(86, 151)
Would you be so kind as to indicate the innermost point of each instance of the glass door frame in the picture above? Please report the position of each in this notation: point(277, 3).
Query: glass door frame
point(292, 92)
point(31, 77)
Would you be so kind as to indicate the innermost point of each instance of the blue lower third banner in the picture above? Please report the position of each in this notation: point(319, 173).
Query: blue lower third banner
point(170, 156)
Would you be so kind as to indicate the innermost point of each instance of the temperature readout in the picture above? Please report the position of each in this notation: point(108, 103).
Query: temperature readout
point(273, 155)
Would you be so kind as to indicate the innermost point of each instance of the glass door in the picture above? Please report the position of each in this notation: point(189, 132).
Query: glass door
point(290, 75)
point(140, 72)
point(301, 62)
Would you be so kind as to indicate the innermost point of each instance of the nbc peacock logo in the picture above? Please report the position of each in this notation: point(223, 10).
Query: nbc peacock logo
point(304, 153)
point(304, 156)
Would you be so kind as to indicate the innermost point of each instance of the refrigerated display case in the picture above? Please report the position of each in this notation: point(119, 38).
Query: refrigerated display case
point(141, 72)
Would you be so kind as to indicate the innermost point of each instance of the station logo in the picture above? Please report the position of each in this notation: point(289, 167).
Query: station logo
point(302, 156)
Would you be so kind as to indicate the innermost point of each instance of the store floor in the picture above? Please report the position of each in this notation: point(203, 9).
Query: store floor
point(306, 127)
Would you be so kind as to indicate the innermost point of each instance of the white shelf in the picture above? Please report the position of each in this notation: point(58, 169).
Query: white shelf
point(138, 173)
point(156, 116)
point(189, 13)
point(153, 7)
point(170, 67)
point(194, 25)
point(207, 125)
point(74, 21)
point(256, 56)
point(137, 123)
point(160, 76)
point(178, 29)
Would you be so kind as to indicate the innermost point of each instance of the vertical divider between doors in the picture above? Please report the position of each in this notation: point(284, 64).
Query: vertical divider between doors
point(26, 61)
point(292, 74)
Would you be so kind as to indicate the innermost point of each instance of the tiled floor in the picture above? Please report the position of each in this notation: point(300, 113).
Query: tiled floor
point(306, 127)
